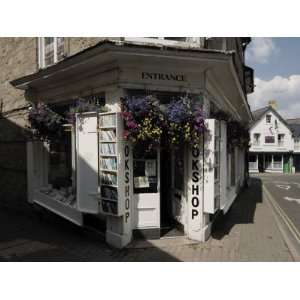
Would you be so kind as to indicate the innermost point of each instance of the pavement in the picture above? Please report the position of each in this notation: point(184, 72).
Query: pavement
point(248, 232)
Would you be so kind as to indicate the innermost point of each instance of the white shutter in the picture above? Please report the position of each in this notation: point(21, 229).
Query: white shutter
point(87, 162)
point(223, 165)
point(212, 167)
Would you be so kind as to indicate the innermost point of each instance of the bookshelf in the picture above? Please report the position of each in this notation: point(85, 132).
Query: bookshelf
point(110, 132)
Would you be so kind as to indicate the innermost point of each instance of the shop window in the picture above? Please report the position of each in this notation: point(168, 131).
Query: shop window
point(51, 50)
point(252, 161)
point(277, 161)
point(269, 139)
point(268, 119)
point(145, 174)
point(60, 162)
point(252, 158)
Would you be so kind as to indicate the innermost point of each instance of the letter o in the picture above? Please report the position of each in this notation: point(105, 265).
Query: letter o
point(126, 150)
point(127, 203)
point(195, 202)
point(195, 152)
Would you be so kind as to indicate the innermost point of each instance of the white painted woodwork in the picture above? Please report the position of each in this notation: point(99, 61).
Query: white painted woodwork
point(87, 162)
point(58, 207)
point(147, 205)
point(195, 219)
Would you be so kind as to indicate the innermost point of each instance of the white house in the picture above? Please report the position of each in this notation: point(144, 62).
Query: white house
point(95, 172)
point(274, 142)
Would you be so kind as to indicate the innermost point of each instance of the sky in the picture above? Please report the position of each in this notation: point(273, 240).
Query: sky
point(276, 64)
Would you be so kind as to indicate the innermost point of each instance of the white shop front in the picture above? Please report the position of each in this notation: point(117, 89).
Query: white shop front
point(135, 193)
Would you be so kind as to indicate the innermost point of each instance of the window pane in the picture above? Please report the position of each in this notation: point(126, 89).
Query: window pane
point(49, 50)
point(60, 48)
point(277, 158)
point(269, 139)
point(252, 158)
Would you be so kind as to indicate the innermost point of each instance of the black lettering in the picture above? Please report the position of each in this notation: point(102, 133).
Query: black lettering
point(195, 165)
point(195, 189)
point(127, 191)
point(195, 176)
point(195, 152)
point(126, 149)
point(173, 77)
point(127, 203)
point(195, 201)
point(126, 217)
point(194, 213)
point(126, 164)
point(127, 177)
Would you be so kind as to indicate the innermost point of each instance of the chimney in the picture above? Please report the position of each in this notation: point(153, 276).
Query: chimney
point(273, 104)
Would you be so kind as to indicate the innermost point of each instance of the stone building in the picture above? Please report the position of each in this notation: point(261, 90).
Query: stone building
point(134, 193)
point(19, 57)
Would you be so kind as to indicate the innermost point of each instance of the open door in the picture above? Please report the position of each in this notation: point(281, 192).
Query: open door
point(178, 188)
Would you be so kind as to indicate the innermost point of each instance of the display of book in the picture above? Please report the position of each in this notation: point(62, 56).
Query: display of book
point(108, 159)
point(108, 149)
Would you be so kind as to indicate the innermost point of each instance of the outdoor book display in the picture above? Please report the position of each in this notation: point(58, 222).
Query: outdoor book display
point(111, 148)
point(100, 161)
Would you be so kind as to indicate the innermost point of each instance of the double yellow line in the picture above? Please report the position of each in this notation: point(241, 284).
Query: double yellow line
point(294, 231)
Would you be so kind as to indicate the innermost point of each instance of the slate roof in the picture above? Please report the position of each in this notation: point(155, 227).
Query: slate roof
point(294, 124)
point(257, 114)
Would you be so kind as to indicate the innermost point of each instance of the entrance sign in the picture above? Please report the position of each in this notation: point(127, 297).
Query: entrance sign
point(163, 76)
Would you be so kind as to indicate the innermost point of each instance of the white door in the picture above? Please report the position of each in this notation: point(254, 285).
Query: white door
point(146, 189)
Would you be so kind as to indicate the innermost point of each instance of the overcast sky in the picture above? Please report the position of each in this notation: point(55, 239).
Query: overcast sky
point(276, 64)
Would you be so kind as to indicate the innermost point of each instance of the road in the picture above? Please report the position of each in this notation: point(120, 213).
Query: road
point(285, 190)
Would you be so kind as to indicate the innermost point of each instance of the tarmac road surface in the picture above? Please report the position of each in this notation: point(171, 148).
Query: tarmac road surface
point(285, 190)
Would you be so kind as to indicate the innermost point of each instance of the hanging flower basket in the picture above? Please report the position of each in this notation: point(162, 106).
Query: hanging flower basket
point(144, 121)
point(45, 124)
point(152, 125)
point(237, 135)
point(185, 122)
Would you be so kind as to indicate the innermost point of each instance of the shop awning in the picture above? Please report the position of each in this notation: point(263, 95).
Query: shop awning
point(103, 64)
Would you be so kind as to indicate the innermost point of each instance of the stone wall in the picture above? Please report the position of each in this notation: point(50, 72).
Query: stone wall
point(17, 58)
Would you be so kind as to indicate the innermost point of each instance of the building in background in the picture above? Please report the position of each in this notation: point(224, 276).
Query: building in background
point(274, 142)
point(92, 175)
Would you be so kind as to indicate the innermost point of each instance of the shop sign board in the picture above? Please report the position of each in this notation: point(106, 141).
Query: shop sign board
point(195, 193)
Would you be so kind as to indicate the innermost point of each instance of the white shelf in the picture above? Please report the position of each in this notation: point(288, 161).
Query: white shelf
point(110, 171)
point(107, 127)
point(108, 155)
point(109, 185)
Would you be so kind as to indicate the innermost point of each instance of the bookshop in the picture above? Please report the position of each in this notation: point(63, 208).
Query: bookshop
point(133, 147)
